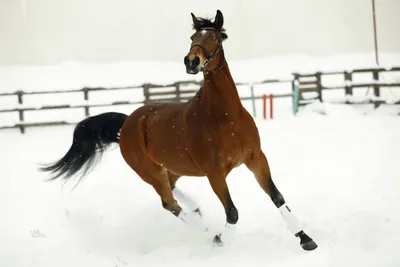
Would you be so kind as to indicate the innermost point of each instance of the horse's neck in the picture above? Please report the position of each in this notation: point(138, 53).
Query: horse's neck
point(220, 94)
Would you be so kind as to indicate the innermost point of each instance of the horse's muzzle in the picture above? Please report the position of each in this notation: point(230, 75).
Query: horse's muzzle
point(192, 66)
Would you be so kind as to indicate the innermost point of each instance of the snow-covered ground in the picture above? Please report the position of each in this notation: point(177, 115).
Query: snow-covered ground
point(338, 173)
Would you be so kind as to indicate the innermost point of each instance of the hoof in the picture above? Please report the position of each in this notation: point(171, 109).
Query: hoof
point(217, 240)
point(198, 212)
point(306, 242)
point(311, 245)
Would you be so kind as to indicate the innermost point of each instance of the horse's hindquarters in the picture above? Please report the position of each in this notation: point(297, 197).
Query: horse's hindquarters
point(152, 141)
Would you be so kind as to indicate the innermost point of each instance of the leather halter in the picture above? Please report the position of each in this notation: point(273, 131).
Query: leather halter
point(209, 57)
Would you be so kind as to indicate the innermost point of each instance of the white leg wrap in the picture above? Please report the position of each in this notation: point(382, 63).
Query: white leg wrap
point(291, 220)
point(185, 199)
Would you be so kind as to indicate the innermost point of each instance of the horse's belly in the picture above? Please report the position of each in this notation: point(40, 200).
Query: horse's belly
point(177, 162)
point(170, 152)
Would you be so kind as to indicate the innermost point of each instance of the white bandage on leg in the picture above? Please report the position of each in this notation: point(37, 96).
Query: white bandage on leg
point(185, 199)
point(291, 220)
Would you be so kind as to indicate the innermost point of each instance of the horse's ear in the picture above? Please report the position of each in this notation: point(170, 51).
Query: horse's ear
point(219, 20)
point(196, 21)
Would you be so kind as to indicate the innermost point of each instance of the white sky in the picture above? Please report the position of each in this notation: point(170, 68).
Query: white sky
point(52, 31)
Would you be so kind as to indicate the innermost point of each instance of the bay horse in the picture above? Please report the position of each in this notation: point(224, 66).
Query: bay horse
point(209, 135)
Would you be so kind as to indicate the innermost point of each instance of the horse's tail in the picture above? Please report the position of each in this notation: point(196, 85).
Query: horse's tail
point(91, 138)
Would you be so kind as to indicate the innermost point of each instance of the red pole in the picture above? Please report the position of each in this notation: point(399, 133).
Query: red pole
point(271, 106)
point(265, 107)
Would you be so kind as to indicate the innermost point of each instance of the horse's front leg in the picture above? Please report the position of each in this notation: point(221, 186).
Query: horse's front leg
point(258, 164)
point(220, 188)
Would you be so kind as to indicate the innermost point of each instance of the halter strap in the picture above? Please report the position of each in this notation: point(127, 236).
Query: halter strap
point(209, 57)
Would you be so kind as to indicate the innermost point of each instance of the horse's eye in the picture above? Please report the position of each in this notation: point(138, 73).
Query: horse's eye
point(214, 38)
point(192, 37)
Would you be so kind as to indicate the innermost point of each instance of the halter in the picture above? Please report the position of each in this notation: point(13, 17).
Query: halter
point(209, 57)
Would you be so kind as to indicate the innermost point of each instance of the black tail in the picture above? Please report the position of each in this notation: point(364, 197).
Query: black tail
point(91, 137)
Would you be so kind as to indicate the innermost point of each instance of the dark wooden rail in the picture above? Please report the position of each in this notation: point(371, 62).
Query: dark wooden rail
point(153, 93)
point(307, 83)
point(312, 83)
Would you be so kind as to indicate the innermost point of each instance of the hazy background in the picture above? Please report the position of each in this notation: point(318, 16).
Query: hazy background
point(42, 32)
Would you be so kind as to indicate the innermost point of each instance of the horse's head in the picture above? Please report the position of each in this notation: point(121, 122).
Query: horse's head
point(206, 48)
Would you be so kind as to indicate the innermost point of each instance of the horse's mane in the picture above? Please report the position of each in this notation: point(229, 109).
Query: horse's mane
point(207, 23)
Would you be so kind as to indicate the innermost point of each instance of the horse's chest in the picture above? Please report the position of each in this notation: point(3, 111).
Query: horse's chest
point(224, 146)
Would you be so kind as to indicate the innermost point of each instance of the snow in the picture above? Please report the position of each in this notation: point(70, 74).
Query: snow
point(338, 173)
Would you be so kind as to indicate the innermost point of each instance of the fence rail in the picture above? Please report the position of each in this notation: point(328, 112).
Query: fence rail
point(175, 92)
point(151, 93)
point(304, 83)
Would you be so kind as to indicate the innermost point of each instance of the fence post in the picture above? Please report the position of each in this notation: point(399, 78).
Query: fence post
point(377, 92)
point(296, 95)
point(271, 106)
point(146, 93)
point(253, 100)
point(20, 94)
point(319, 85)
point(178, 91)
point(348, 86)
point(264, 107)
point(86, 97)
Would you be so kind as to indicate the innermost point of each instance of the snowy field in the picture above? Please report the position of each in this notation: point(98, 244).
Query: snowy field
point(339, 173)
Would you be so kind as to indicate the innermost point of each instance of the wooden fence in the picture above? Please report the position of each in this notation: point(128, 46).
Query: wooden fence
point(313, 83)
point(180, 91)
point(152, 94)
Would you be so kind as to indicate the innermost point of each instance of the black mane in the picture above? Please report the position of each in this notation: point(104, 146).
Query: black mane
point(207, 23)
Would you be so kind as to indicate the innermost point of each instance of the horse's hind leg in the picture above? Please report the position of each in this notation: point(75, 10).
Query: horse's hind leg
point(163, 189)
point(183, 198)
point(133, 150)
point(258, 164)
point(160, 182)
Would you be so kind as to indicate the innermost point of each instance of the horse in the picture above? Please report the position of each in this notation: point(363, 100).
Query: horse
point(209, 135)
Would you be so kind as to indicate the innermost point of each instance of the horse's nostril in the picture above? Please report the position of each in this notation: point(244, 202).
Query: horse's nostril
point(186, 60)
point(196, 61)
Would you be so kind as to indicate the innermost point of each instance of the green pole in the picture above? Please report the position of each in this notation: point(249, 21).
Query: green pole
point(253, 100)
point(296, 95)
